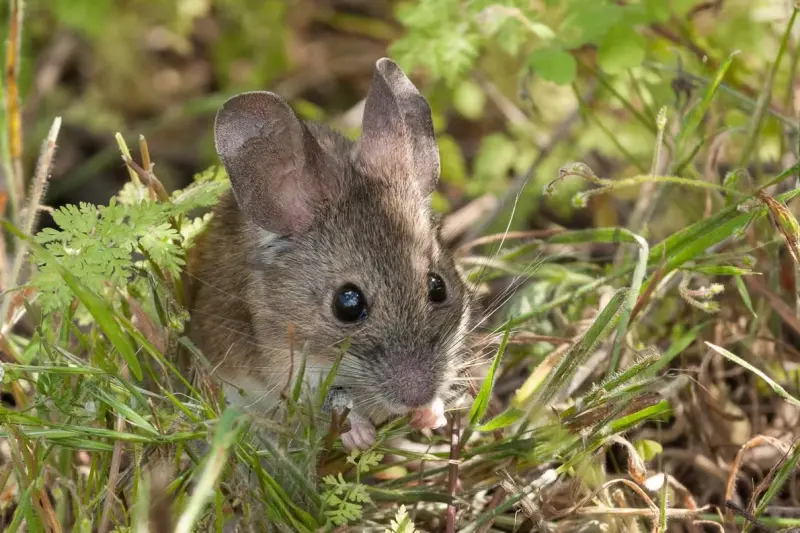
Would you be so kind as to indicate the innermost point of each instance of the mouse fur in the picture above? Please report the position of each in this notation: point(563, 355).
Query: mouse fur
point(310, 211)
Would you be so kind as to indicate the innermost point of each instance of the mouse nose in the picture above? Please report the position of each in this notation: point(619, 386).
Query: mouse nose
point(415, 387)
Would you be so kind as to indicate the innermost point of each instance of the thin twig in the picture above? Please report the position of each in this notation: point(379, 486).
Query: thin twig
point(37, 191)
point(148, 178)
point(645, 204)
point(3, 258)
point(671, 513)
point(747, 516)
point(113, 475)
point(145, 151)
point(497, 498)
point(758, 440)
point(452, 481)
point(12, 108)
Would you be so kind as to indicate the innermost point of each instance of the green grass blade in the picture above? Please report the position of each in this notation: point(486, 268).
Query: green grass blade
point(630, 302)
point(611, 235)
point(693, 241)
point(765, 95)
point(224, 438)
point(780, 391)
point(745, 294)
point(503, 420)
point(322, 394)
point(298, 383)
point(481, 402)
point(695, 116)
point(676, 348)
point(787, 469)
point(132, 416)
point(597, 332)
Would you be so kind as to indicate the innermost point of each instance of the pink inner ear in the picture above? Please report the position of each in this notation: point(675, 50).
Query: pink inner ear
point(279, 173)
point(386, 155)
point(398, 140)
point(295, 198)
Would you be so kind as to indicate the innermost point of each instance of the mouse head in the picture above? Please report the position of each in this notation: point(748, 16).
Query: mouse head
point(345, 245)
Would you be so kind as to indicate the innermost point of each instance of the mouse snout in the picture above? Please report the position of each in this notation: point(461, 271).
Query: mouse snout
point(414, 387)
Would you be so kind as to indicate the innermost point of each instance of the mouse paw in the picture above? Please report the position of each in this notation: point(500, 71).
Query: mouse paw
point(361, 436)
point(429, 417)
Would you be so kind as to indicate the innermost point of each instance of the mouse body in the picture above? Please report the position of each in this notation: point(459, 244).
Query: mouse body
point(333, 241)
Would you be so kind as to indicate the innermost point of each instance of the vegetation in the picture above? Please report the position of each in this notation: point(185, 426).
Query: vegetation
point(618, 179)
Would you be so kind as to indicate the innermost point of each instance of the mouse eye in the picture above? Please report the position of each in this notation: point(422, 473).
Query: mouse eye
point(349, 304)
point(437, 292)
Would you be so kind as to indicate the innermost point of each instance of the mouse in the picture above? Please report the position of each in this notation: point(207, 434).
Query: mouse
point(322, 239)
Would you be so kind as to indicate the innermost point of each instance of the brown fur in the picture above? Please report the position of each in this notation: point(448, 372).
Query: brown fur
point(345, 213)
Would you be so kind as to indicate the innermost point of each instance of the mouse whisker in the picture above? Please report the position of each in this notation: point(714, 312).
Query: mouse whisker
point(216, 288)
point(498, 248)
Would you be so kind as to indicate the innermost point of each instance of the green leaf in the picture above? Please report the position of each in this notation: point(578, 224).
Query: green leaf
point(503, 420)
point(89, 17)
point(99, 308)
point(454, 168)
point(588, 23)
point(659, 410)
point(681, 7)
point(647, 449)
point(401, 523)
point(494, 160)
point(481, 402)
point(657, 9)
point(646, 13)
point(621, 49)
point(132, 416)
point(743, 292)
point(469, 99)
point(437, 39)
point(723, 270)
point(611, 235)
point(694, 240)
point(554, 64)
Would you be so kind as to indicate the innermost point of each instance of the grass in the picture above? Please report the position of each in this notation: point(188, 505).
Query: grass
point(589, 365)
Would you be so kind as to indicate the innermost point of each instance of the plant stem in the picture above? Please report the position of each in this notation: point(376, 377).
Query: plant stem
point(13, 158)
point(766, 93)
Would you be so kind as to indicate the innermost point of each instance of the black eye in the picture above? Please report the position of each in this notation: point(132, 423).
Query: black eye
point(437, 292)
point(349, 304)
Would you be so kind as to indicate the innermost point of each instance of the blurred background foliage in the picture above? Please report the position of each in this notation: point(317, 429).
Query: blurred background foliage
point(519, 89)
point(503, 77)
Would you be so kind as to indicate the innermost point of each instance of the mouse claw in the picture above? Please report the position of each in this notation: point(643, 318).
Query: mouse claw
point(430, 417)
point(362, 436)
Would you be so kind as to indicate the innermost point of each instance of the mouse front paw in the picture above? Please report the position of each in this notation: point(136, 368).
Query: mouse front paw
point(429, 417)
point(361, 436)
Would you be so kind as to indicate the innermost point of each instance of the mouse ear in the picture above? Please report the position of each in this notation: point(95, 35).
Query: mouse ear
point(398, 138)
point(273, 162)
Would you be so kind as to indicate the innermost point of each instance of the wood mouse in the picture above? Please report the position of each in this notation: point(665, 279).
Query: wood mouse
point(336, 239)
